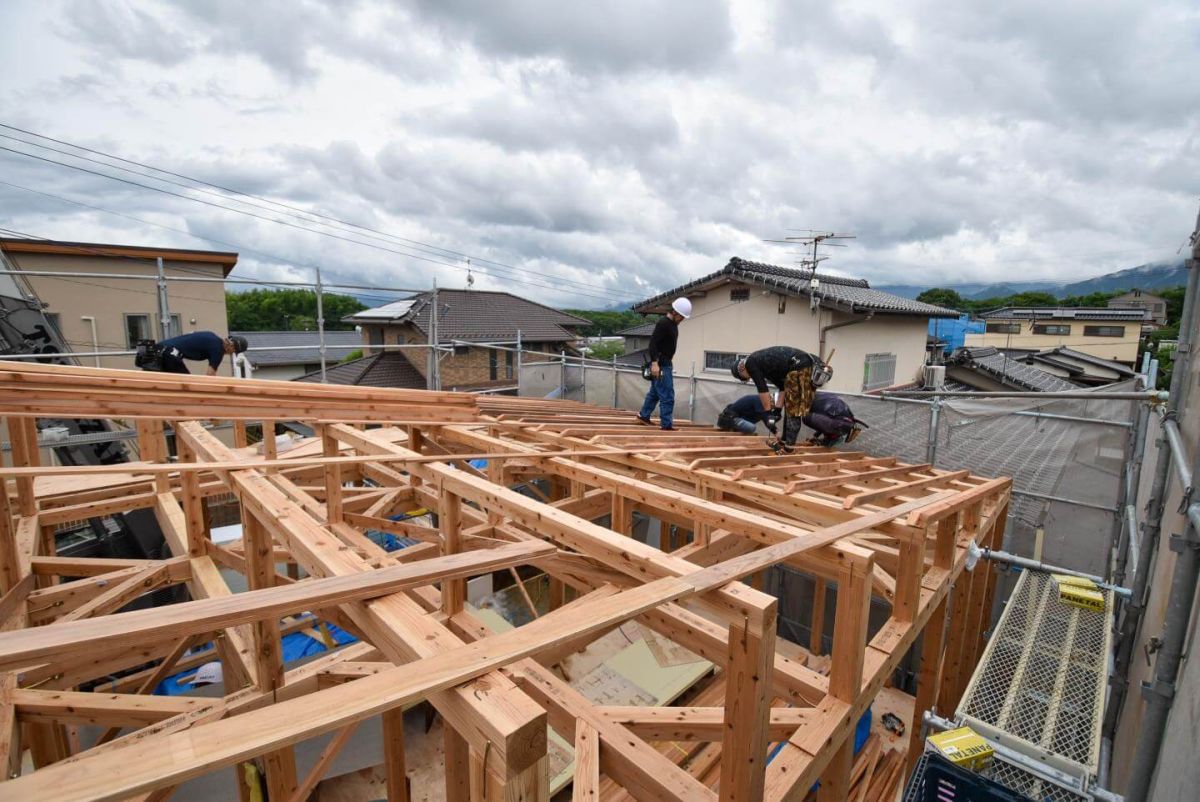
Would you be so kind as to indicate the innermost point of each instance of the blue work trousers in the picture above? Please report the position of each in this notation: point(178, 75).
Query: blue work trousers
point(662, 394)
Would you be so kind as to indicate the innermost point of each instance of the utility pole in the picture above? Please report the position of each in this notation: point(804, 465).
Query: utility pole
point(164, 308)
point(321, 327)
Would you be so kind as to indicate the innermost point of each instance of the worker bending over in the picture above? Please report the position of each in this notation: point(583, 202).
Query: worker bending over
point(201, 346)
point(745, 414)
point(832, 420)
point(796, 373)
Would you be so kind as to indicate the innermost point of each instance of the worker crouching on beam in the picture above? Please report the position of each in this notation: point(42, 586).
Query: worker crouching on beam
point(797, 374)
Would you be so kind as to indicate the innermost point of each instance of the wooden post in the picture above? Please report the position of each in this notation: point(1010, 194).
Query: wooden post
point(260, 573)
point(458, 765)
point(192, 503)
point(846, 668)
point(454, 591)
point(22, 432)
point(587, 763)
point(152, 444)
point(816, 634)
point(749, 667)
point(10, 561)
point(333, 479)
point(239, 434)
point(909, 571)
point(393, 755)
point(622, 514)
point(927, 680)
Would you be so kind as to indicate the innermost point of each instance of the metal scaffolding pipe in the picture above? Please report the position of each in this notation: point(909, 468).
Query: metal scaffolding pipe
point(1063, 500)
point(1146, 395)
point(1034, 565)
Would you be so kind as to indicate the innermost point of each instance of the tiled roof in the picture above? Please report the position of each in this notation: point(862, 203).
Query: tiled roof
point(1009, 370)
point(850, 294)
point(478, 316)
point(641, 330)
point(1080, 356)
point(635, 358)
point(388, 369)
point(1065, 313)
point(291, 339)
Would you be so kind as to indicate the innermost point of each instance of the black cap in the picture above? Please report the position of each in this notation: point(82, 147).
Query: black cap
point(239, 343)
point(737, 374)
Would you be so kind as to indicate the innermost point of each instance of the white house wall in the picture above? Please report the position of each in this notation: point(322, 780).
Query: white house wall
point(717, 324)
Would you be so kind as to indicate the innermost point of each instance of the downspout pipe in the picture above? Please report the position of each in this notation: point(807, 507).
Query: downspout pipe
point(1160, 692)
point(851, 322)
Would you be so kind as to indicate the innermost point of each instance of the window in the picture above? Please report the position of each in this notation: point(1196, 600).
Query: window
point(1003, 328)
point(493, 364)
point(399, 339)
point(508, 364)
point(739, 294)
point(721, 361)
point(879, 370)
point(137, 327)
point(176, 326)
point(374, 335)
point(1103, 331)
point(1051, 329)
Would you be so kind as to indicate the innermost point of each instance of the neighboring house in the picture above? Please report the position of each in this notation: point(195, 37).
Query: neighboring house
point(637, 338)
point(467, 318)
point(102, 313)
point(952, 333)
point(1078, 367)
point(1155, 305)
point(387, 369)
point(879, 337)
point(987, 368)
point(302, 354)
point(1106, 333)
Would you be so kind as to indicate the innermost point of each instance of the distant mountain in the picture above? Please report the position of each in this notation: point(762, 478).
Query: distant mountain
point(1155, 275)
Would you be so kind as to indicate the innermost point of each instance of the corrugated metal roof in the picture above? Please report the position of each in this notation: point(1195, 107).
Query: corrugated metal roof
point(1008, 369)
point(850, 294)
point(479, 316)
point(290, 339)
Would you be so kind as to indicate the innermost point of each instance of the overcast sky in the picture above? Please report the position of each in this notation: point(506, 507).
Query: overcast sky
point(611, 149)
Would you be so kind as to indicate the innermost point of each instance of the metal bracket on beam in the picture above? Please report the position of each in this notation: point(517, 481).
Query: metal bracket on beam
point(1158, 688)
point(1180, 543)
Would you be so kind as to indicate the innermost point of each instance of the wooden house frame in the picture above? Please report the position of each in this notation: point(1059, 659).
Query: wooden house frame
point(871, 526)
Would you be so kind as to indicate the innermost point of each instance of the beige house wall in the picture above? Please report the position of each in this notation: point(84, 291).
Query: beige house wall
point(200, 305)
point(471, 368)
point(717, 324)
point(1123, 349)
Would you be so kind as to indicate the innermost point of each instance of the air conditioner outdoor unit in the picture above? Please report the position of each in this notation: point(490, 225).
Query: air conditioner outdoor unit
point(935, 377)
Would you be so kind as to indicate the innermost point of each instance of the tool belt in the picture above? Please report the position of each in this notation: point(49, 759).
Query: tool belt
point(149, 355)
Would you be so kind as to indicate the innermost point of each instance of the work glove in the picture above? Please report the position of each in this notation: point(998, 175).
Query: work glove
point(771, 421)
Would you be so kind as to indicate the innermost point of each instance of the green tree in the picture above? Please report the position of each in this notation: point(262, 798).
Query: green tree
point(606, 350)
point(606, 322)
point(942, 296)
point(288, 310)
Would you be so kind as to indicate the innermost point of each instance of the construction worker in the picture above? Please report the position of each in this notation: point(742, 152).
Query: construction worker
point(745, 414)
point(796, 373)
point(168, 355)
point(661, 352)
point(832, 420)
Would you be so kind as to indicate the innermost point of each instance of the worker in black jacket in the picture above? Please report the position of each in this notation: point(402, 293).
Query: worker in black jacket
point(661, 352)
point(797, 374)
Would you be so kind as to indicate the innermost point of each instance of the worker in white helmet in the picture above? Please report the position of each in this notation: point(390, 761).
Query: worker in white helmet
point(661, 352)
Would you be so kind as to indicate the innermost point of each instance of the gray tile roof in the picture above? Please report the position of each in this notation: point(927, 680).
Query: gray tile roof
point(849, 294)
point(1065, 313)
point(388, 369)
point(1009, 370)
point(292, 339)
point(478, 316)
point(641, 330)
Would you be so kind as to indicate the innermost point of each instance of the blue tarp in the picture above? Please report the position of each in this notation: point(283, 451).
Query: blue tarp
point(954, 332)
point(862, 731)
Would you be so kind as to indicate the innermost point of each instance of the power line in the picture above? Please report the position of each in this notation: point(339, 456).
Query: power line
point(265, 200)
point(499, 271)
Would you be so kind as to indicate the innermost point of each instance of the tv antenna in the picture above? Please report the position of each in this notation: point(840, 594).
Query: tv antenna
point(470, 275)
point(813, 237)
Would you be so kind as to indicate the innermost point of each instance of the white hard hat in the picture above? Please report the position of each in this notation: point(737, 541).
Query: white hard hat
point(682, 306)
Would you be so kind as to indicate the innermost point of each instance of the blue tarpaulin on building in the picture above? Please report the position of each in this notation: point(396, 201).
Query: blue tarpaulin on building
point(954, 332)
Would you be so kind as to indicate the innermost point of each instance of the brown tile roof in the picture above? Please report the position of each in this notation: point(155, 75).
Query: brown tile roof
point(388, 369)
point(478, 316)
